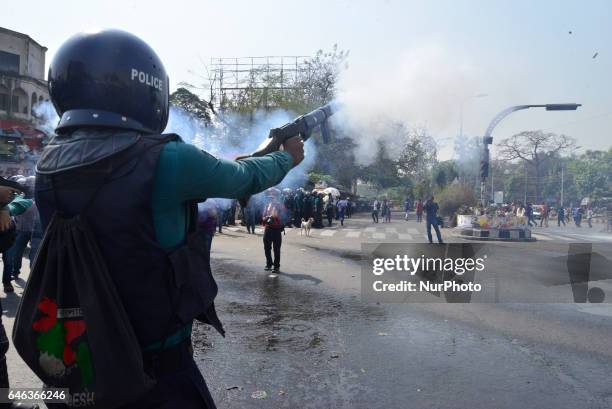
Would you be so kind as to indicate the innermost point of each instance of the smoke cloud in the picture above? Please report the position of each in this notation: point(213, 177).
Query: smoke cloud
point(424, 88)
point(47, 117)
point(235, 135)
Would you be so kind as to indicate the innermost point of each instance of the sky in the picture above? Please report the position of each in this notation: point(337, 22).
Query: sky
point(519, 52)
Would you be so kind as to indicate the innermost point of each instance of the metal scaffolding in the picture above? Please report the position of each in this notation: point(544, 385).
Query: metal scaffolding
point(232, 75)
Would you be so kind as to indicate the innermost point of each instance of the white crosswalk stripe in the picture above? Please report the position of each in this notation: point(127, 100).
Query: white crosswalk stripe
point(353, 234)
point(370, 229)
point(328, 233)
point(379, 236)
point(391, 230)
point(412, 230)
point(403, 236)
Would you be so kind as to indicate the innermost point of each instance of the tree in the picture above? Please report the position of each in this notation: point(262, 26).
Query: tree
point(444, 173)
point(535, 148)
point(192, 104)
point(382, 172)
point(418, 153)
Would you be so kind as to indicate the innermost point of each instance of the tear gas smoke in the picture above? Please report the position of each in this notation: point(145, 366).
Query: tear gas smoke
point(234, 135)
point(45, 111)
point(425, 88)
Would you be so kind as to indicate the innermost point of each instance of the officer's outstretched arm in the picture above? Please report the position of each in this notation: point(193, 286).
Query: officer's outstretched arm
point(19, 205)
point(202, 175)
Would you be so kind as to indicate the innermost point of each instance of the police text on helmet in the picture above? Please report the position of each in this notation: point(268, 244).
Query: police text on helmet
point(146, 78)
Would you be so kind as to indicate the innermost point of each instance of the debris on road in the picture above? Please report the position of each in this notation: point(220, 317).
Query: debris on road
point(259, 395)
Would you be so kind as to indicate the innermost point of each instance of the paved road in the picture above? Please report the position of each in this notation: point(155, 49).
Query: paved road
point(307, 340)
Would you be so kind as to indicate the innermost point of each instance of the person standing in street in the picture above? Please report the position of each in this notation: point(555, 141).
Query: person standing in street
point(419, 210)
point(431, 209)
point(529, 215)
point(388, 212)
point(273, 228)
point(250, 217)
point(375, 210)
point(349, 207)
point(318, 207)
point(577, 214)
point(384, 208)
point(407, 208)
point(589, 216)
point(560, 216)
point(110, 159)
point(544, 212)
point(329, 209)
point(342, 206)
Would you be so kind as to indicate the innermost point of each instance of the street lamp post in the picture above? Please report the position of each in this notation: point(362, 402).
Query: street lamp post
point(488, 139)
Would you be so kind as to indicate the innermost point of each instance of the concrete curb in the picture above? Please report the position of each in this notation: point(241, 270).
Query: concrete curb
point(495, 234)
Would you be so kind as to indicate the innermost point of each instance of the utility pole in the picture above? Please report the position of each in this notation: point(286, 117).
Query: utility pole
point(562, 186)
point(525, 201)
point(492, 191)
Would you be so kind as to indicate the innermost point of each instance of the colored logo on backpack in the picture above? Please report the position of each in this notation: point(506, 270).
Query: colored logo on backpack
point(61, 342)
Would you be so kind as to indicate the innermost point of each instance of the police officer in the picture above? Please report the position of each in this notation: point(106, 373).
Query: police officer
point(140, 189)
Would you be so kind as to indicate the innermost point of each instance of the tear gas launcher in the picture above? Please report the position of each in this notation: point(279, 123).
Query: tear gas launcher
point(302, 126)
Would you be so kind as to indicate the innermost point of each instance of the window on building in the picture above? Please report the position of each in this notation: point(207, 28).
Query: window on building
point(4, 102)
point(9, 62)
point(34, 101)
point(15, 104)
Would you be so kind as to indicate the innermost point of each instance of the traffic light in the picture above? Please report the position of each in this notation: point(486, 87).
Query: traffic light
point(484, 169)
point(484, 164)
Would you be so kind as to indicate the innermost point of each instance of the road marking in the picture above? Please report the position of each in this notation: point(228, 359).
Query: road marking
point(353, 234)
point(328, 233)
point(370, 229)
point(412, 230)
point(541, 237)
point(391, 230)
point(379, 236)
point(556, 237)
point(402, 236)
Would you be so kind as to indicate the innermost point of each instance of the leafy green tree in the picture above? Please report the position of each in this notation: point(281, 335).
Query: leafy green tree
point(535, 148)
point(192, 104)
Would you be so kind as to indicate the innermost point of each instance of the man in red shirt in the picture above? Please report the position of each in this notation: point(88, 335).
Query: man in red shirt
point(544, 212)
point(273, 228)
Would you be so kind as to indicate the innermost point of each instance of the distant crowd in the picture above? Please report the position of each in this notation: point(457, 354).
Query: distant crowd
point(545, 213)
point(292, 205)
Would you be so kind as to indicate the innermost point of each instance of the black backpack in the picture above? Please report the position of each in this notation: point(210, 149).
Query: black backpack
point(71, 328)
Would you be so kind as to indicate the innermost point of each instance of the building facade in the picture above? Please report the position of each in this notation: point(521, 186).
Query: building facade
point(22, 75)
point(22, 87)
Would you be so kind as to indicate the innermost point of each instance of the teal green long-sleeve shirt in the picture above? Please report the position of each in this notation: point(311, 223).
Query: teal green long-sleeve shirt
point(185, 173)
point(19, 205)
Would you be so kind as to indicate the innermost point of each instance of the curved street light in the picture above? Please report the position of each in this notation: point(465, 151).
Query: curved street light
point(488, 139)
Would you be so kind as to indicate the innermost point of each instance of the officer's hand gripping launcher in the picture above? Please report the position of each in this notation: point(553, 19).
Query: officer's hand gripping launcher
point(302, 126)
